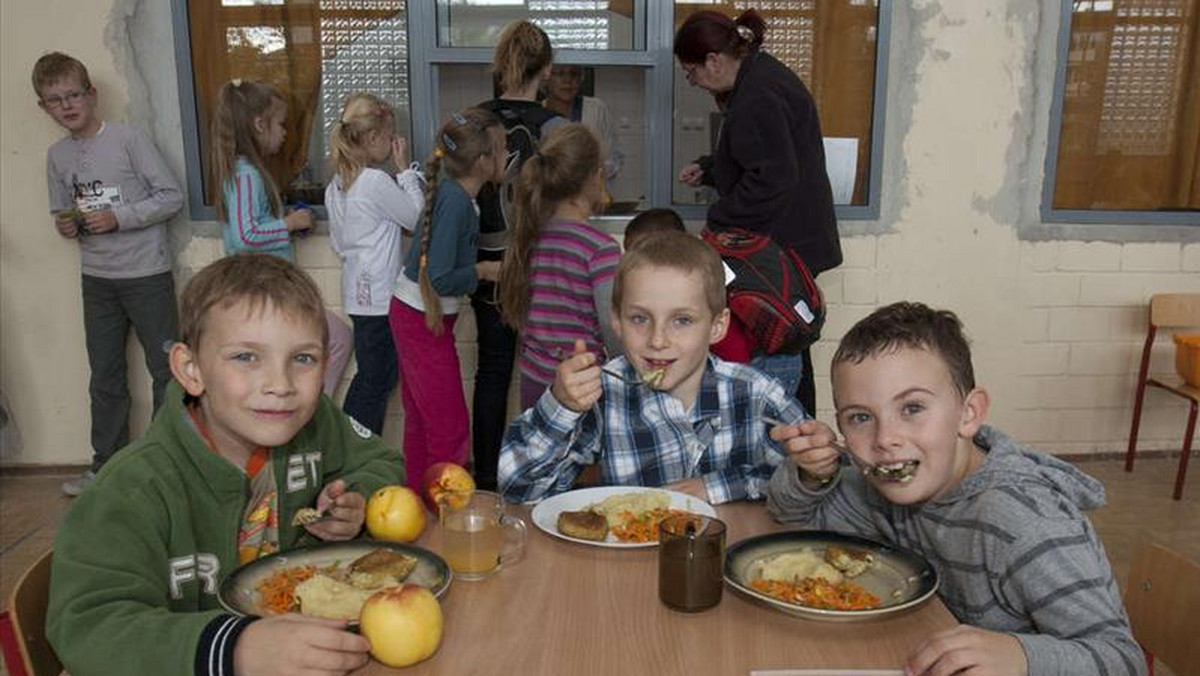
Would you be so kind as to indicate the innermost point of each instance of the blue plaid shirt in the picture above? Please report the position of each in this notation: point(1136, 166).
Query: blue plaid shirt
point(644, 437)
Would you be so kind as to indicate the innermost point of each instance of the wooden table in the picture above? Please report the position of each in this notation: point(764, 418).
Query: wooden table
point(569, 608)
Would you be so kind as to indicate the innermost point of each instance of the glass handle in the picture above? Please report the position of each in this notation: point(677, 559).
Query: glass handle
point(514, 540)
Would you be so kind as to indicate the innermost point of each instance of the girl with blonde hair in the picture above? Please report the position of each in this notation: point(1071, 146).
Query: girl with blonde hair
point(369, 211)
point(556, 281)
point(438, 270)
point(247, 128)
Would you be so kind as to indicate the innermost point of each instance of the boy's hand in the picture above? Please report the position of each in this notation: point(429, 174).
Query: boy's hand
point(297, 645)
point(65, 224)
point(577, 380)
point(693, 487)
point(966, 649)
point(489, 270)
point(692, 175)
point(400, 152)
point(299, 220)
point(345, 513)
point(100, 222)
point(809, 445)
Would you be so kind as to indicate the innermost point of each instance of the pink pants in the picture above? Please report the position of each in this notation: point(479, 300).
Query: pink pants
point(436, 427)
point(341, 344)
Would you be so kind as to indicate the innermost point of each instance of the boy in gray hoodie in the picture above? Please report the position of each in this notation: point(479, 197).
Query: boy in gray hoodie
point(1020, 565)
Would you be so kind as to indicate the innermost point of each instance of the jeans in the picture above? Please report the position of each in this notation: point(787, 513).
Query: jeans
point(110, 306)
point(497, 349)
point(431, 388)
point(367, 397)
point(786, 368)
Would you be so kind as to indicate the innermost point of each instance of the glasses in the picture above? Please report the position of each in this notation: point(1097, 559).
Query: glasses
point(689, 71)
point(70, 97)
point(568, 75)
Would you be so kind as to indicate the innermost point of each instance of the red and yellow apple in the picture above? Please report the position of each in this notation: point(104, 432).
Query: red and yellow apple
point(395, 514)
point(403, 624)
point(449, 483)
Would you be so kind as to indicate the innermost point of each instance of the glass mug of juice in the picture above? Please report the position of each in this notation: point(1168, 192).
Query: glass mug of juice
point(478, 538)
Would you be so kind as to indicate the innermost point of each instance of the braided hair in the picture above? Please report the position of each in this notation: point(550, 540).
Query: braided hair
point(523, 51)
point(460, 143)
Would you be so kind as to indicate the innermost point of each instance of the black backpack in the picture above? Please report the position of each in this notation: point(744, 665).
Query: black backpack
point(523, 128)
point(773, 294)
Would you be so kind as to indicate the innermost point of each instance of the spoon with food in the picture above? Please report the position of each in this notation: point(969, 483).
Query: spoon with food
point(899, 472)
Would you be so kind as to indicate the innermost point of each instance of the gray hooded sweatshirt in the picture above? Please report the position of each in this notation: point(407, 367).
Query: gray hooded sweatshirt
point(1011, 545)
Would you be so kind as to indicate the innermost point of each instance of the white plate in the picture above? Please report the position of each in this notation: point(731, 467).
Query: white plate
point(545, 513)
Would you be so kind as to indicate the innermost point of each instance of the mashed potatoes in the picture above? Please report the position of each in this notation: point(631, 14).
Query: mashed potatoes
point(614, 506)
point(795, 566)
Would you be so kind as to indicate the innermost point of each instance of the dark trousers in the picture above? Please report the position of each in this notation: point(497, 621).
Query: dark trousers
point(110, 306)
point(497, 348)
point(367, 397)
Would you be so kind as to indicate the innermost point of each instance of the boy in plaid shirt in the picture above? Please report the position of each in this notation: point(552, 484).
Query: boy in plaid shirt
point(667, 413)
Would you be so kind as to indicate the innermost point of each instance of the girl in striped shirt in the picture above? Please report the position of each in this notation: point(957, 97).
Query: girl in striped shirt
point(557, 277)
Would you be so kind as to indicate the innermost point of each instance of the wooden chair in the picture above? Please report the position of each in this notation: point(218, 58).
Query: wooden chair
point(1172, 310)
point(27, 610)
point(1163, 601)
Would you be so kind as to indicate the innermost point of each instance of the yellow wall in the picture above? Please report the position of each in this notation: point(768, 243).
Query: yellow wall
point(1057, 314)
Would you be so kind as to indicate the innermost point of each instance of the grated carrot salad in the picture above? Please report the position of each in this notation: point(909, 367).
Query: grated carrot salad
point(643, 528)
point(278, 591)
point(817, 592)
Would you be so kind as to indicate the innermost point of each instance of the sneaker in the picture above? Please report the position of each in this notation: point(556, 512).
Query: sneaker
point(75, 486)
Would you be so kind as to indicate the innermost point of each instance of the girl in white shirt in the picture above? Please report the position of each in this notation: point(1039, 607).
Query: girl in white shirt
point(369, 210)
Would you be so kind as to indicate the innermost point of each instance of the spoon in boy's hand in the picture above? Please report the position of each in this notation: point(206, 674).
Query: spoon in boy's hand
point(902, 473)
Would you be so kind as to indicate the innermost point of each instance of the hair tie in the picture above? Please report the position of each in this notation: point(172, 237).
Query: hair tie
point(236, 82)
point(449, 143)
point(745, 33)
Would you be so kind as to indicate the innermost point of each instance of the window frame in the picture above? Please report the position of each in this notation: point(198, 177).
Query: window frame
point(656, 58)
point(1049, 213)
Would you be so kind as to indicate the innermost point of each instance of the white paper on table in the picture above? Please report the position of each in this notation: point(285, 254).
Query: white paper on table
point(826, 672)
point(841, 164)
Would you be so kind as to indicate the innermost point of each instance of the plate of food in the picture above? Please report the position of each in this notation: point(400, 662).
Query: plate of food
point(624, 517)
point(331, 579)
point(829, 576)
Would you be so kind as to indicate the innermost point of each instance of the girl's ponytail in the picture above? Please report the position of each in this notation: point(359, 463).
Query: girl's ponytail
point(523, 51)
point(567, 163)
point(361, 115)
point(232, 135)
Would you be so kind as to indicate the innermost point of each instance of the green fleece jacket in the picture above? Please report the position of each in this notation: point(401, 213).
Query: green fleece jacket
point(140, 555)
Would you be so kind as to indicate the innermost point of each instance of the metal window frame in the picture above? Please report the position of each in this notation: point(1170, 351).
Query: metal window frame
point(1049, 214)
point(652, 52)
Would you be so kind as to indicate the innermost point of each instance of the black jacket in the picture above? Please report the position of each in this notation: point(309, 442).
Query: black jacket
point(769, 165)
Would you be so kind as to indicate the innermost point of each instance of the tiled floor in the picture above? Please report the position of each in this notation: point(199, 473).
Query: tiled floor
point(1139, 505)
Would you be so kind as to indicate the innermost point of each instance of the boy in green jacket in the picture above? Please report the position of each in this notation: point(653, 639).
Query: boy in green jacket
point(243, 440)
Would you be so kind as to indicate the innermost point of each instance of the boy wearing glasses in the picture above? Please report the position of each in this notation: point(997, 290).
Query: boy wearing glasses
point(111, 191)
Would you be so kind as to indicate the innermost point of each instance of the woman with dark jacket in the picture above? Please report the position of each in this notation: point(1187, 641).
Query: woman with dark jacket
point(769, 164)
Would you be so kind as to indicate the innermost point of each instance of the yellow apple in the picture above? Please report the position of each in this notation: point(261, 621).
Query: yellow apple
point(403, 624)
point(449, 483)
point(395, 514)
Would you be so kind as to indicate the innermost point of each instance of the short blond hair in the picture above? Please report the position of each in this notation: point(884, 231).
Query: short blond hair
point(677, 251)
point(256, 278)
point(55, 66)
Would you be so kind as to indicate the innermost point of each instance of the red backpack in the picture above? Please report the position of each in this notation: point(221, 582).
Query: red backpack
point(773, 293)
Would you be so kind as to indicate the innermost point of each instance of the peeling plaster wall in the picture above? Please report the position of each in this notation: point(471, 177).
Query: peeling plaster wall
point(1056, 311)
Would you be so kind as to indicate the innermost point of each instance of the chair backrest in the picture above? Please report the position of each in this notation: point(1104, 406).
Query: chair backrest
point(1163, 600)
point(1175, 309)
point(27, 608)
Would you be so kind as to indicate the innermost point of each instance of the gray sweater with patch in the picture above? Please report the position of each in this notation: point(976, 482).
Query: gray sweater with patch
point(1011, 545)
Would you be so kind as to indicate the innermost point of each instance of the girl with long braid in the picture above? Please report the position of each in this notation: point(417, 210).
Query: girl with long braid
point(438, 272)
